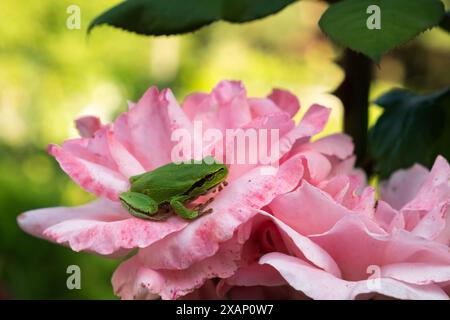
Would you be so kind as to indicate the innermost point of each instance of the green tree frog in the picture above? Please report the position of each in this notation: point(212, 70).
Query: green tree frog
point(169, 189)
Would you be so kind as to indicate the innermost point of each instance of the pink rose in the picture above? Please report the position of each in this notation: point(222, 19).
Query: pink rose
point(176, 256)
point(324, 241)
point(311, 230)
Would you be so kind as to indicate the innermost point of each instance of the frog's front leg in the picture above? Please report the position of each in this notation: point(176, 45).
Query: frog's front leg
point(177, 204)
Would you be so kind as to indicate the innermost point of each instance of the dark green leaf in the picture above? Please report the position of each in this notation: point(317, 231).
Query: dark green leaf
point(411, 130)
point(445, 22)
point(401, 20)
point(165, 17)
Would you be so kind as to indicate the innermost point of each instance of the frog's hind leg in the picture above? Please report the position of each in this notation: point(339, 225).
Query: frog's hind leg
point(139, 205)
point(180, 209)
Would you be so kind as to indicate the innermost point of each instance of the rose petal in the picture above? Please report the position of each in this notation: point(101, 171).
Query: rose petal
point(388, 218)
point(315, 118)
point(249, 276)
point(403, 185)
point(133, 279)
point(303, 247)
point(93, 149)
point(321, 285)
point(101, 226)
point(434, 190)
point(151, 123)
point(338, 145)
point(92, 177)
point(286, 101)
point(262, 107)
point(317, 213)
point(87, 126)
point(357, 243)
point(318, 166)
point(343, 189)
point(433, 223)
point(254, 275)
point(417, 273)
point(126, 163)
point(226, 107)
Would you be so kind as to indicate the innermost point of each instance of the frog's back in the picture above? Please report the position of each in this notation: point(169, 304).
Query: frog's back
point(171, 180)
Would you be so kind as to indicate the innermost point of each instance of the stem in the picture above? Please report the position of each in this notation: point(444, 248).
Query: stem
point(354, 94)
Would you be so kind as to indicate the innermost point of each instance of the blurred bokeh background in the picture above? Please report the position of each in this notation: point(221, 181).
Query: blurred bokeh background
point(50, 75)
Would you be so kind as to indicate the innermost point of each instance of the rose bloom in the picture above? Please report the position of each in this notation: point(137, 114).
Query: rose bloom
point(310, 230)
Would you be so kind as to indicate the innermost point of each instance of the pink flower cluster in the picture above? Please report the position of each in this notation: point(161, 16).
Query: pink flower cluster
point(312, 230)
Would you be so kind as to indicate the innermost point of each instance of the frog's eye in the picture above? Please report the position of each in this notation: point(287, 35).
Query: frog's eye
point(209, 177)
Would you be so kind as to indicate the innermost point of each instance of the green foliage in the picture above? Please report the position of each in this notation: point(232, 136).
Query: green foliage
point(401, 20)
point(165, 17)
point(31, 268)
point(413, 128)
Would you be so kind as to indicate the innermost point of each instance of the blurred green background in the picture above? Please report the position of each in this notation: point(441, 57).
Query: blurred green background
point(50, 75)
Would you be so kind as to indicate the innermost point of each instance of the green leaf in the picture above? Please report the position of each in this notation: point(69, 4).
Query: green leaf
point(165, 17)
point(346, 22)
point(445, 22)
point(411, 130)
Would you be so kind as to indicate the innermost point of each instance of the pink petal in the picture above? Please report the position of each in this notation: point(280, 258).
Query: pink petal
point(288, 135)
point(249, 276)
point(318, 166)
point(232, 207)
point(93, 149)
point(151, 123)
point(317, 213)
point(366, 203)
point(268, 237)
point(286, 101)
point(444, 236)
point(417, 273)
point(226, 107)
point(303, 247)
point(343, 189)
point(388, 218)
point(254, 275)
point(347, 167)
point(126, 163)
point(133, 279)
point(87, 126)
point(434, 190)
point(92, 177)
point(433, 223)
point(338, 145)
point(262, 107)
point(234, 153)
point(403, 186)
point(315, 118)
point(101, 226)
point(318, 284)
point(195, 104)
point(121, 131)
point(357, 243)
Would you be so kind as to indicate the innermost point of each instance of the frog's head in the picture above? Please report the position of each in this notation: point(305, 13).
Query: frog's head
point(212, 174)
